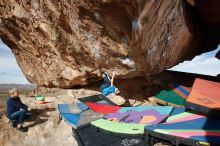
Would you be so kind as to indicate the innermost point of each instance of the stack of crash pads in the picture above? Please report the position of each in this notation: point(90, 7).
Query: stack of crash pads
point(198, 124)
point(119, 126)
point(131, 120)
point(108, 121)
point(205, 98)
point(175, 95)
point(79, 114)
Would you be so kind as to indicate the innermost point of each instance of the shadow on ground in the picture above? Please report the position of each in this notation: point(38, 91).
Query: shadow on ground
point(39, 116)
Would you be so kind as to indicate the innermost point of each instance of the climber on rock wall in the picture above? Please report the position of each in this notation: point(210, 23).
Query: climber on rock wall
point(108, 87)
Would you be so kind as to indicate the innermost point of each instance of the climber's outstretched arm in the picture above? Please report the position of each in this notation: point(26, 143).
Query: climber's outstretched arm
point(112, 79)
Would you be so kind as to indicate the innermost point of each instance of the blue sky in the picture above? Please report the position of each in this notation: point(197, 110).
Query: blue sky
point(9, 70)
point(203, 64)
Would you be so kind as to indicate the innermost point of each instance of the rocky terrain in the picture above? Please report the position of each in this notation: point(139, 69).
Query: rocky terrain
point(44, 128)
point(69, 43)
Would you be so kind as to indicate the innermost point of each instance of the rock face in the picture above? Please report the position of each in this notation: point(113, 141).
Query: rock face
point(164, 38)
point(68, 43)
point(170, 32)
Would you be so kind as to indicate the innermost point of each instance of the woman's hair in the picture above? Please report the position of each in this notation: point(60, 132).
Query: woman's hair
point(13, 90)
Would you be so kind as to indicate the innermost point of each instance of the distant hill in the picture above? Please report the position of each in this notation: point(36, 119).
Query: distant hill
point(22, 87)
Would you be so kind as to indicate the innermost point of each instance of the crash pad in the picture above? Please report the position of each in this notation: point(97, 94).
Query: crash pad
point(124, 128)
point(188, 128)
point(92, 136)
point(175, 95)
point(73, 108)
point(140, 115)
point(82, 119)
point(131, 120)
point(96, 99)
point(102, 108)
point(205, 97)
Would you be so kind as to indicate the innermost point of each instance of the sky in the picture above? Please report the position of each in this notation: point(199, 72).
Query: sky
point(10, 72)
point(205, 64)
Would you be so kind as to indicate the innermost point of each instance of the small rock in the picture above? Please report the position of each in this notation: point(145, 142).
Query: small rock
point(5, 119)
point(134, 102)
point(152, 100)
point(117, 99)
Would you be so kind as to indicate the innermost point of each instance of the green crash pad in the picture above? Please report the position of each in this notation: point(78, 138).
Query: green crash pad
point(170, 97)
point(175, 96)
point(123, 128)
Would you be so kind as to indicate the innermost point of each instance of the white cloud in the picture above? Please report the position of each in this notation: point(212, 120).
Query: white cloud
point(9, 69)
point(205, 63)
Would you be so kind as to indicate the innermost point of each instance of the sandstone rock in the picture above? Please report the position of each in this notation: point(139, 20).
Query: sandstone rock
point(117, 99)
point(168, 32)
point(134, 102)
point(191, 2)
point(69, 43)
point(165, 38)
point(66, 94)
point(4, 119)
point(152, 100)
point(146, 103)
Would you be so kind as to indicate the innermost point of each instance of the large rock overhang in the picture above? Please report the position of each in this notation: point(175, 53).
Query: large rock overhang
point(69, 43)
